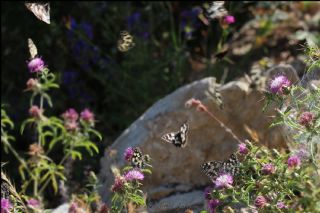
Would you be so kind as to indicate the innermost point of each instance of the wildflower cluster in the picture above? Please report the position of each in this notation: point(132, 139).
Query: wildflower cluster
point(268, 181)
point(126, 186)
point(73, 134)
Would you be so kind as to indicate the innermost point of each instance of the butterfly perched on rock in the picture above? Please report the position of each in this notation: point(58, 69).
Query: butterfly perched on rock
point(216, 10)
point(40, 10)
point(139, 160)
point(125, 42)
point(179, 138)
point(215, 168)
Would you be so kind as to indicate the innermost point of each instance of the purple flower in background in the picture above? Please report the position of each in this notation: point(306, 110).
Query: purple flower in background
point(133, 19)
point(128, 154)
point(70, 115)
point(294, 161)
point(134, 175)
point(213, 204)
point(33, 203)
point(302, 153)
point(260, 202)
point(87, 28)
point(279, 83)
point(87, 116)
point(224, 181)
point(36, 65)
point(281, 205)
point(268, 169)
point(229, 19)
point(243, 149)
point(5, 205)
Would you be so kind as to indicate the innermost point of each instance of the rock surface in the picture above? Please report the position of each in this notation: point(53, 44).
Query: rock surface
point(176, 171)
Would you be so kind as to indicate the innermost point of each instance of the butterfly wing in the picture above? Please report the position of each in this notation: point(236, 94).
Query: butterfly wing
point(214, 168)
point(32, 48)
point(216, 10)
point(179, 138)
point(231, 165)
point(137, 158)
point(125, 42)
point(40, 10)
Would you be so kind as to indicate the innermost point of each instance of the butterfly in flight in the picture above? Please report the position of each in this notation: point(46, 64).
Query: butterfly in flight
point(40, 10)
point(179, 138)
point(216, 10)
point(125, 42)
point(215, 168)
point(139, 160)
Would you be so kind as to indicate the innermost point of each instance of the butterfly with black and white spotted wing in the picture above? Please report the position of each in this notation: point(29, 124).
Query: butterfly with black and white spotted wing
point(179, 138)
point(40, 10)
point(139, 160)
point(215, 168)
point(216, 10)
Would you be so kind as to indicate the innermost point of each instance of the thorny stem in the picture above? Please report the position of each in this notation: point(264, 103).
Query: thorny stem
point(222, 125)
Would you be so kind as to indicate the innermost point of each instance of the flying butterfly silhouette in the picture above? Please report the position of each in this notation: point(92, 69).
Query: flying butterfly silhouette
point(40, 10)
point(216, 10)
point(215, 168)
point(179, 138)
point(32, 48)
point(139, 160)
point(125, 42)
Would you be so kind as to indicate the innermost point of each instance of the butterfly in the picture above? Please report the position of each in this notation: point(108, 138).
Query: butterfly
point(216, 10)
point(32, 48)
point(215, 168)
point(125, 42)
point(40, 10)
point(139, 160)
point(179, 138)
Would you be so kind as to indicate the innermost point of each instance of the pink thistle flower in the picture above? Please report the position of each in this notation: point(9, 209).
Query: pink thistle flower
point(281, 205)
point(192, 103)
point(118, 184)
point(213, 204)
point(70, 115)
point(229, 19)
point(71, 126)
point(36, 65)
point(35, 112)
point(87, 116)
point(33, 203)
point(5, 205)
point(134, 175)
point(306, 119)
point(268, 169)
point(224, 181)
point(128, 154)
point(243, 149)
point(32, 84)
point(279, 84)
point(73, 208)
point(260, 202)
point(294, 161)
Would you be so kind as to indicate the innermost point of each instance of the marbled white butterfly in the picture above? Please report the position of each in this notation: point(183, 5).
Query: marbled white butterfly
point(32, 48)
point(125, 42)
point(215, 168)
point(40, 10)
point(179, 138)
point(139, 160)
point(216, 10)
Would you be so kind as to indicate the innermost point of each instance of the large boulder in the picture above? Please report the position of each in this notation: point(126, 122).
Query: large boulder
point(176, 171)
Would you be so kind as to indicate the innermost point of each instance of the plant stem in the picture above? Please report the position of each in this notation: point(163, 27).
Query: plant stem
point(222, 125)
